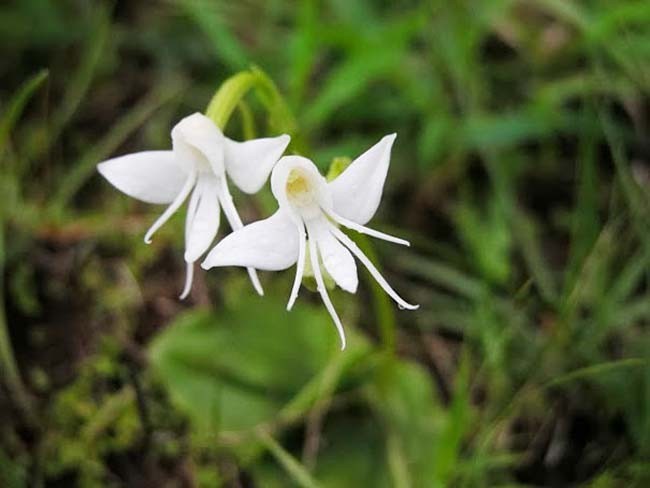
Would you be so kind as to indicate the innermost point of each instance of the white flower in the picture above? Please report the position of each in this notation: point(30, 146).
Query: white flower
point(198, 163)
point(310, 208)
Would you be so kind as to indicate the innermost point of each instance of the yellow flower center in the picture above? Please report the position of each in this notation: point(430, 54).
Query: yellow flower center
point(299, 188)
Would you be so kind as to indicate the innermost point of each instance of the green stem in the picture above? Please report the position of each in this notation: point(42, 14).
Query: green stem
point(397, 461)
point(228, 96)
point(232, 92)
point(291, 465)
point(7, 358)
point(247, 120)
point(109, 412)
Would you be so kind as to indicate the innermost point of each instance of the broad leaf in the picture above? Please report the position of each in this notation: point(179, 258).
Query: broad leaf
point(234, 369)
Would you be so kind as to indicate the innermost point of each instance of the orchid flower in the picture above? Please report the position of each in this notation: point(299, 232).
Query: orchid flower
point(306, 224)
point(198, 163)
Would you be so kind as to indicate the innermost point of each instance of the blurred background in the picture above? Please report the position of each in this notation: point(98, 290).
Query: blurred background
point(520, 175)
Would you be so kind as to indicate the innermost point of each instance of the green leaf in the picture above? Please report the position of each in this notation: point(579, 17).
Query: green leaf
point(348, 80)
point(236, 369)
point(487, 238)
point(208, 16)
point(508, 129)
point(84, 168)
point(92, 57)
point(402, 395)
point(17, 105)
point(457, 422)
point(351, 455)
point(529, 242)
point(13, 474)
point(291, 465)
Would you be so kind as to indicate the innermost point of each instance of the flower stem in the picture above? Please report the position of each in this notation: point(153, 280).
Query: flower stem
point(298, 473)
point(228, 96)
point(232, 92)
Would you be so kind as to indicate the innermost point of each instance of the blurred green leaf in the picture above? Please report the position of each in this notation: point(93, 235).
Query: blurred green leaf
point(403, 397)
point(351, 456)
point(17, 105)
point(81, 78)
point(508, 129)
point(292, 467)
point(457, 422)
point(132, 120)
point(12, 474)
point(531, 245)
point(373, 56)
point(209, 17)
point(487, 238)
point(236, 369)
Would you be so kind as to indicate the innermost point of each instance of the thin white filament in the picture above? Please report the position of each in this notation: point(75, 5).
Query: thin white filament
point(366, 230)
point(169, 211)
point(300, 267)
point(313, 254)
point(189, 220)
point(189, 277)
point(235, 223)
point(347, 242)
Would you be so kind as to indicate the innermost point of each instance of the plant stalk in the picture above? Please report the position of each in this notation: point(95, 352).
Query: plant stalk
point(10, 369)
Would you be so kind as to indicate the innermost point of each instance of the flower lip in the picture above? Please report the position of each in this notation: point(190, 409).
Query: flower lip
point(300, 188)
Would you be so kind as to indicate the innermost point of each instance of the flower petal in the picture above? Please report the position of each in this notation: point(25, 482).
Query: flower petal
point(374, 272)
point(150, 176)
point(300, 266)
point(366, 230)
point(357, 191)
point(199, 142)
point(235, 224)
point(189, 277)
point(337, 260)
point(171, 209)
point(322, 290)
point(203, 224)
point(249, 163)
point(270, 244)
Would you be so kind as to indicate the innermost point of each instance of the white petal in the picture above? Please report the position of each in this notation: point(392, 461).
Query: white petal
point(198, 142)
point(189, 267)
point(189, 276)
point(204, 222)
point(235, 224)
point(337, 260)
point(367, 230)
point(270, 244)
point(371, 268)
point(249, 163)
point(171, 209)
point(191, 212)
point(300, 266)
point(150, 176)
point(322, 289)
point(357, 191)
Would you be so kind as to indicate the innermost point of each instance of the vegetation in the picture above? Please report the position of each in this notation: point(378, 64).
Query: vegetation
point(520, 175)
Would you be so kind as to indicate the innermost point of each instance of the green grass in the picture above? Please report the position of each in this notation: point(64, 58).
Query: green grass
point(520, 175)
